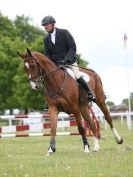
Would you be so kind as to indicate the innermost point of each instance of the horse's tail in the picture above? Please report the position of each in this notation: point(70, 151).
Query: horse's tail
point(99, 86)
point(98, 79)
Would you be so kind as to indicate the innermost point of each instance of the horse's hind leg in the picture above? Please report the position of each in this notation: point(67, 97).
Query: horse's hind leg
point(108, 118)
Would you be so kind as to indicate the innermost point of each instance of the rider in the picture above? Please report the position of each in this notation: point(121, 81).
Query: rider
point(60, 47)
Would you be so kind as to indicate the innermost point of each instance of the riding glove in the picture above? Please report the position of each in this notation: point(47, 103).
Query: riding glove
point(62, 62)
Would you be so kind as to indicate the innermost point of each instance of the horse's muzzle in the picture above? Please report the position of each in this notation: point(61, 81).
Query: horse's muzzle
point(34, 86)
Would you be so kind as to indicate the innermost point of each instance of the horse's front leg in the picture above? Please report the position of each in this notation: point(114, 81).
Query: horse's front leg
point(53, 113)
point(82, 132)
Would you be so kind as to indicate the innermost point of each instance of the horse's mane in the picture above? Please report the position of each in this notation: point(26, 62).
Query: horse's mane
point(40, 55)
point(43, 58)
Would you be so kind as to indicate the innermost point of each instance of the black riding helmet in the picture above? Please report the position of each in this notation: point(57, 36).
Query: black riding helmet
point(48, 19)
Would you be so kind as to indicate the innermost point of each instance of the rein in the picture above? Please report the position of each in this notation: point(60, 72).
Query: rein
point(47, 73)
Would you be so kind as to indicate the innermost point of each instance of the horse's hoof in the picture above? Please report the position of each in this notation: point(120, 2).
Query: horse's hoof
point(120, 141)
point(50, 151)
point(96, 149)
point(86, 149)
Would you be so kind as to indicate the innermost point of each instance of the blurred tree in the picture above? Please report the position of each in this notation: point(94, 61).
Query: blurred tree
point(131, 100)
point(14, 90)
point(6, 27)
point(110, 103)
point(25, 30)
point(81, 61)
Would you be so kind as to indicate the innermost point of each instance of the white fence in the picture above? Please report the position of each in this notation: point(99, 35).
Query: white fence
point(128, 116)
point(39, 118)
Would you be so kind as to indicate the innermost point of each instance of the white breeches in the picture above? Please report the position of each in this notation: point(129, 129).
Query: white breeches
point(74, 67)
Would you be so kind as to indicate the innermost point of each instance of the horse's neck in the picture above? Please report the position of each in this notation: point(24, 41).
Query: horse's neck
point(53, 75)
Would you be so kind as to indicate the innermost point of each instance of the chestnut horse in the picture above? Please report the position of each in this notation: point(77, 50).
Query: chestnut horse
point(64, 94)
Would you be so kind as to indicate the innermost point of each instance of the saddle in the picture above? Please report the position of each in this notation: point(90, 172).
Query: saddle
point(84, 75)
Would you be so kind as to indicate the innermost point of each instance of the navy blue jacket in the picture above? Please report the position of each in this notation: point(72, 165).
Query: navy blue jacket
point(63, 49)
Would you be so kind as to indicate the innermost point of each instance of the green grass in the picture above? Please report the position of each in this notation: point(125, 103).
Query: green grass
point(26, 157)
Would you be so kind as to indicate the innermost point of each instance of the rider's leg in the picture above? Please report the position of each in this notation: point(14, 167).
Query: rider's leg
point(82, 82)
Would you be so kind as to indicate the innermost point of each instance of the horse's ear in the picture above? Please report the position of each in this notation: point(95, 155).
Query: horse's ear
point(21, 55)
point(29, 52)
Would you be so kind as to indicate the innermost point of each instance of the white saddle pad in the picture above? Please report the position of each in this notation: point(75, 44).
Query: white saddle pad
point(84, 75)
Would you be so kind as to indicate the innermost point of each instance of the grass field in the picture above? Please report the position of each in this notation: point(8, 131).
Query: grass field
point(26, 157)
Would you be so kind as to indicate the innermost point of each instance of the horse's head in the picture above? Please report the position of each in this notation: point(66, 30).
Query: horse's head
point(33, 69)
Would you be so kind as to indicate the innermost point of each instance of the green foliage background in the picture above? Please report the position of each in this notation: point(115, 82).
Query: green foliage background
point(15, 90)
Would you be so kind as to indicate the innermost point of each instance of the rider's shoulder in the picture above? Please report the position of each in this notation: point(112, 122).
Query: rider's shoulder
point(61, 30)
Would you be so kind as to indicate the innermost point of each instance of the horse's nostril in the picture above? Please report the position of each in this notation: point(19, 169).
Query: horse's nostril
point(36, 87)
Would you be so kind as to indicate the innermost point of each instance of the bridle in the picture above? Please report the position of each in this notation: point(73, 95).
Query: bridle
point(40, 75)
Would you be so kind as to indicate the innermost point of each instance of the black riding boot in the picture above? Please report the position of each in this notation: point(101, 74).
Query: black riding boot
point(83, 83)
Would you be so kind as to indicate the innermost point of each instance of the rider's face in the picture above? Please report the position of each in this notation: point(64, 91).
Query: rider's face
point(49, 27)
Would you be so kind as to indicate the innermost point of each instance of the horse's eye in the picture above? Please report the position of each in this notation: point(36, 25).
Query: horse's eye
point(32, 66)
